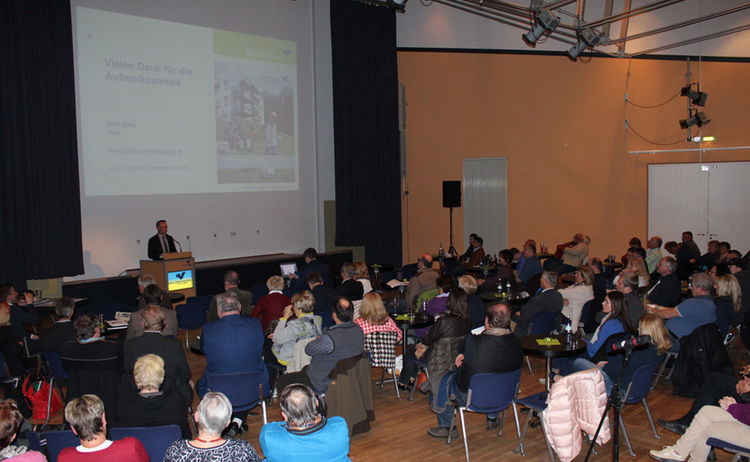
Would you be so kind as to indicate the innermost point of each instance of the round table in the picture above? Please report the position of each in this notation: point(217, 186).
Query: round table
point(418, 323)
point(549, 351)
point(514, 299)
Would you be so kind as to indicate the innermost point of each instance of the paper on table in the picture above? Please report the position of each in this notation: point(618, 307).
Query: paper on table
point(548, 341)
point(393, 283)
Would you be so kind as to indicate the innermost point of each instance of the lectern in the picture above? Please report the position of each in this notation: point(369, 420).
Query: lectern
point(175, 273)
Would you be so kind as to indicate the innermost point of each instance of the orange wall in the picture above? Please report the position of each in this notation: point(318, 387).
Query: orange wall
point(561, 126)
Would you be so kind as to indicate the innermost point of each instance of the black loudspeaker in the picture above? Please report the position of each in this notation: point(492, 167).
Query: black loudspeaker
point(451, 194)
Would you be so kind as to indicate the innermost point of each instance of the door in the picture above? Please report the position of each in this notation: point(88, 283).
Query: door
point(485, 184)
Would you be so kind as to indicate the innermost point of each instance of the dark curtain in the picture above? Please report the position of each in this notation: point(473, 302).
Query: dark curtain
point(40, 229)
point(365, 115)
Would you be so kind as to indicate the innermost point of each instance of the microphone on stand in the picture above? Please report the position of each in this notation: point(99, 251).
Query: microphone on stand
point(178, 243)
point(188, 239)
point(631, 342)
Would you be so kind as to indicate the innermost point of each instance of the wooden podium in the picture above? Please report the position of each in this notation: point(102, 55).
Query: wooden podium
point(175, 273)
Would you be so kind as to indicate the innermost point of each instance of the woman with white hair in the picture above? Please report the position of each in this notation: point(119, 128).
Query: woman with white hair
point(212, 416)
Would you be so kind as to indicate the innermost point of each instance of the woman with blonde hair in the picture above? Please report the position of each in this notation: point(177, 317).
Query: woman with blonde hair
point(728, 301)
point(654, 351)
point(373, 317)
point(362, 274)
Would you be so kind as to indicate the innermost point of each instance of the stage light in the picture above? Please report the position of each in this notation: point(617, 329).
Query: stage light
point(589, 38)
point(546, 22)
point(697, 98)
point(698, 118)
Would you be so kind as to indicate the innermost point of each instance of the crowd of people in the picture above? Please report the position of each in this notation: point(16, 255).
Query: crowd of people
point(294, 337)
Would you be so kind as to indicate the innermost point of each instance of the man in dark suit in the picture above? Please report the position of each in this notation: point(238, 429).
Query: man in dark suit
point(144, 281)
point(20, 314)
point(153, 296)
point(350, 287)
point(666, 291)
point(324, 298)
point(312, 265)
point(547, 300)
point(52, 339)
point(161, 242)
point(169, 349)
point(231, 284)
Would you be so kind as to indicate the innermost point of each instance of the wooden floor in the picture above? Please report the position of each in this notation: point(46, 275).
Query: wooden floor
point(399, 431)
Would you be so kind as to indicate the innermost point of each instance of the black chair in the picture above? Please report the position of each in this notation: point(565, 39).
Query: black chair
point(584, 316)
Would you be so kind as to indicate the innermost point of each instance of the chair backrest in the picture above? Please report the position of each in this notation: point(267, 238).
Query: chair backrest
point(640, 383)
point(241, 388)
point(55, 364)
point(409, 271)
point(156, 440)
point(543, 322)
point(585, 312)
point(490, 392)
point(382, 348)
point(199, 300)
point(191, 315)
point(56, 441)
point(259, 290)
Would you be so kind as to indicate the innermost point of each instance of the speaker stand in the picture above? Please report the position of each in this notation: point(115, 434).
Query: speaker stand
point(451, 249)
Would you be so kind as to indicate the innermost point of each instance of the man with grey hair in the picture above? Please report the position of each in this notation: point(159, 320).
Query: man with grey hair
point(304, 434)
point(350, 287)
point(233, 343)
point(693, 312)
point(547, 299)
point(666, 291)
point(231, 284)
point(50, 340)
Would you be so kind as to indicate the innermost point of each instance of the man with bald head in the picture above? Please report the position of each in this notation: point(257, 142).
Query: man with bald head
point(653, 253)
point(426, 279)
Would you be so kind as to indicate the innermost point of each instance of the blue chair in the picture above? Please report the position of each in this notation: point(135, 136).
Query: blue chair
point(54, 363)
point(191, 316)
point(54, 442)
point(541, 324)
point(740, 452)
point(536, 404)
point(259, 290)
point(200, 299)
point(156, 440)
point(584, 315)
point(638, 388)
point(489, 393)
point(243, 389)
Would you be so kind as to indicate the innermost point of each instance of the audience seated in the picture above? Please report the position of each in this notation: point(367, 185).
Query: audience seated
point(271, 306)
point(686, 256)
point(666, 291)
point(374, 318)
point(658, 345)
point(476, 304)
point(93, 363)
point(350, 287)
point(437, 304)
point(22, 311)
point(710, 258)
point(88, 420)
point(169, 349)
point(653, 253)
point(730, 422)
point(231, 284)
point(503, 273)
point(153, 295)
point(10, 346)
point(324, 298)
point(529, 265)
point(212, 416)
point(440, 345)
point(304, 435)
point(716, 386)
point(494, 350)
point(569, 255)
point(547, 300)
point(344, 340)
point(10, 422)
point(575, 296)
point(52, 339)
point(628, 285)
point(362, 274)
point(146, 399)
point(145, 280)
point(312, 265)
point(737, 268)
point(600, 291)
point(695, 311)
point(474, 254)
point(297, 323)
point(728, 302)
point(633, 243)
point(234, 343)
point(426, 279)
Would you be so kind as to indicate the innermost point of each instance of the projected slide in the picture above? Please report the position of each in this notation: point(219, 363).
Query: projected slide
point(169, 108)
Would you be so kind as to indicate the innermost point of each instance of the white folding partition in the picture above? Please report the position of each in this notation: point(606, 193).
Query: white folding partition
point(485, 194)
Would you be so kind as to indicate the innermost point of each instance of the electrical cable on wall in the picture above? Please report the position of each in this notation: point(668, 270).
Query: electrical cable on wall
point(631, 128)
point(677, 93)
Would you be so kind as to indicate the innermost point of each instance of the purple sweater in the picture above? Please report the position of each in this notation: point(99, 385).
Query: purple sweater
point(740, 412)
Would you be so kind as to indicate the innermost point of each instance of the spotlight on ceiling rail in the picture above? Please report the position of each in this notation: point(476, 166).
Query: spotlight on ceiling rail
point(697, 97)
point(545, 22)
point(588, 38)
point(695, 117)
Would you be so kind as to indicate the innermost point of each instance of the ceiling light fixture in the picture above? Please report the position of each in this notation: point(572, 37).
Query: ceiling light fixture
point(545, 22)
point(588, 38)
